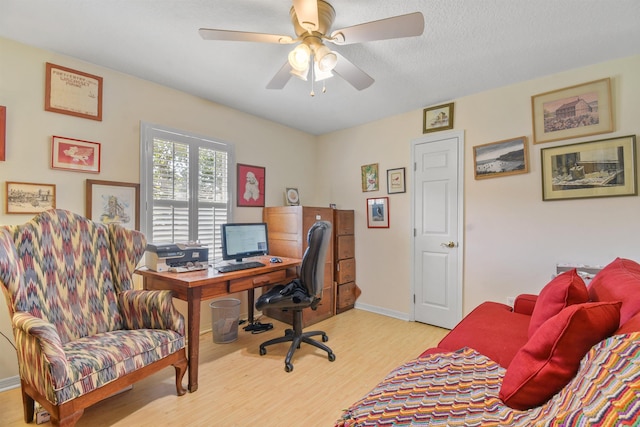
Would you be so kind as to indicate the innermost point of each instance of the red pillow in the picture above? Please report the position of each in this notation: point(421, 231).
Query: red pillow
point(551, 357)
point(618, 281)
point(564, 290)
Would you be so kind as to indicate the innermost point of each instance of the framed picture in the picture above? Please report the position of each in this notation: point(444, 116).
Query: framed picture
point(73, 92)
point(29, 198)
point(502, 158)
point(378, 212)
point(3, 132)
point(111, 202)
point(75, 155)
point(395, 181)
point(370, 177)
point(590, 169)
point(580, 110)
point(251, 182)
point(437, 118)
point(293, 198)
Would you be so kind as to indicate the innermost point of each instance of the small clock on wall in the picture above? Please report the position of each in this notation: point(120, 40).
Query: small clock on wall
point(292, 196)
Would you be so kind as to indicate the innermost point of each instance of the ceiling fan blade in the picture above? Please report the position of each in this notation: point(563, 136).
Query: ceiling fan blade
point(243, 36)
point(307, 13)
point(352, 74)
point(281, 78)
point(395, 27)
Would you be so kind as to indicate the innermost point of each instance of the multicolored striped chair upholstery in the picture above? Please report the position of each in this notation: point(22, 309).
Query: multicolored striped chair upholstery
point(82, 331)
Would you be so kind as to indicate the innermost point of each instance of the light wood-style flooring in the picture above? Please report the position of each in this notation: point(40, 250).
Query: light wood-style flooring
point(238, 387)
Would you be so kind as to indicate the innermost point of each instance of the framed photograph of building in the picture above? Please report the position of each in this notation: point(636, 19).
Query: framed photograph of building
point(111, 202)
point(29, 198)
point(590, 169)
point(251, 185)
point(572, 112)
point(502, 158)
point(378, 212)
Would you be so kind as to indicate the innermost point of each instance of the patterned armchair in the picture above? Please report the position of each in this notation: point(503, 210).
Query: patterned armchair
point(82, 332)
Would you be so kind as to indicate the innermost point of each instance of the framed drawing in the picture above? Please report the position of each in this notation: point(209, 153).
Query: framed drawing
point(3, 132)
point(590, 169)
point(378, 212)
point(251, 184)
point(502, 158)
point(395, 181)
point(75, 155)
point(437, 118)
point(29, 198)
point(370, 179)
point(73, 92)
point(580, 110)
point(293, 198)
point(111, 202)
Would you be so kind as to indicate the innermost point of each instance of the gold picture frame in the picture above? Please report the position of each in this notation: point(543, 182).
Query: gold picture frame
point(602, 168)
point(370, 177)
point(437, 118)
point(73, 92)
point(29, 197)
point(112, 202)
point(502, 158)
point(572, 112)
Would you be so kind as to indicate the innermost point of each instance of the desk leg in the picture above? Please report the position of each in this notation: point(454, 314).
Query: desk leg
point(250, 303)
point(193, 335)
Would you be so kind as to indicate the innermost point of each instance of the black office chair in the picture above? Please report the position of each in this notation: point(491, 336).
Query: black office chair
point(302, 293)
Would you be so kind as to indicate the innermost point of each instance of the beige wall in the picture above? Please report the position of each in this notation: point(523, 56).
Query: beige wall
point(512, 238)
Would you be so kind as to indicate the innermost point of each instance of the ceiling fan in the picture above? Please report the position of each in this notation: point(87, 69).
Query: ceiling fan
point(312, 20)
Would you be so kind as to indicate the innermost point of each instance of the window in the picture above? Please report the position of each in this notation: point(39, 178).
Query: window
point(184, 187)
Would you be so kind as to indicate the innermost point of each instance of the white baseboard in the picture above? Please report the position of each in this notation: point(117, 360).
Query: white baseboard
point(9, 383)
point(383, 311)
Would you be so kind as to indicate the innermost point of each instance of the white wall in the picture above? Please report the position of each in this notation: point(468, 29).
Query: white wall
point(512, 238)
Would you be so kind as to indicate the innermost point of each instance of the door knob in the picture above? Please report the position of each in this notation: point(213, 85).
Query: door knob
point(448, 245)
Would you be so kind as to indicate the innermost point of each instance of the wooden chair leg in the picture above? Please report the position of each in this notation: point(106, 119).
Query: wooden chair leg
point(181, 369)
point(29, 406)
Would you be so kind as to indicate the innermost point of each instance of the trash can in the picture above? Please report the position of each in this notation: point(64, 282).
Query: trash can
point(225, 314)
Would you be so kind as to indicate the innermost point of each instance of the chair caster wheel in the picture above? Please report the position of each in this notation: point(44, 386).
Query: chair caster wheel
point(288, 367)
point(263, 351)
point(325, 338)
point(331, 357)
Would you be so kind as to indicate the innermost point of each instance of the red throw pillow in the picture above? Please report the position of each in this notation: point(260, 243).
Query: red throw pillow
point(564, 290)
point(551, 357)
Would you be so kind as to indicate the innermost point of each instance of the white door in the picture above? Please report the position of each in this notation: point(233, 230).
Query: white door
point(437, 220)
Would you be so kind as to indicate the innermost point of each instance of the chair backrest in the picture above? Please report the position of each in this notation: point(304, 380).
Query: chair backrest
point(68, 270)
point(313, 260)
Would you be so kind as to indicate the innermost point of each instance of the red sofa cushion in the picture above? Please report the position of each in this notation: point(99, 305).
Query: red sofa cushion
point(618, 281)
point(551, 357)
point(488, 320)
point(564, 290)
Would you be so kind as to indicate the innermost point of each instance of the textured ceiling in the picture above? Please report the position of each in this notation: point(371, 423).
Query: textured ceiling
point(468, 46)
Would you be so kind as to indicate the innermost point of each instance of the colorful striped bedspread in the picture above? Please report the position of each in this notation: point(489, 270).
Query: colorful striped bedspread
point(461, 389)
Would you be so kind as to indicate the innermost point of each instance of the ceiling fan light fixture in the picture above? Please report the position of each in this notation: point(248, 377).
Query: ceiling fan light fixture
point(319, 74)
point(325, 58)
point(301, 74)
point(299, 57)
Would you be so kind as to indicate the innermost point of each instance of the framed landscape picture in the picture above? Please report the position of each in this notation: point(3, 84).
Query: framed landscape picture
point(437, 118)
point(502, 158)
point(572, 112)
point(590, 169)
point(29, 198)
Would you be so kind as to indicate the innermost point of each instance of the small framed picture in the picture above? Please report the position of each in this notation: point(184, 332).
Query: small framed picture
point(293, 198)
point(73, 92)
point(395, 181)
point(378, 212)
point(502, 158)
point(437, 118)
point(370, 179)
point(29, 198)
point(251, 182)
point(111, 202)
point(75, 155)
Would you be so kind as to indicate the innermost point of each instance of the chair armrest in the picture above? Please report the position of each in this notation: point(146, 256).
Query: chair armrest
point(143, 309)
point(524, 303)
point(40, 352)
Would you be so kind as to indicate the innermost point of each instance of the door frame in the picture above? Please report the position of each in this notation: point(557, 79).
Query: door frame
point(438, 136)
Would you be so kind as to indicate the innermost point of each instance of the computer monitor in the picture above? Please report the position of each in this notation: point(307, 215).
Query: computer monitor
point(243, 240)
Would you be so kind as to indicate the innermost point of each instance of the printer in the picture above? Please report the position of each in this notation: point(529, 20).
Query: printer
point(177, 257)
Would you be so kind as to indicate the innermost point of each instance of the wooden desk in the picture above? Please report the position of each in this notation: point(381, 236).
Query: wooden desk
point(193, 287)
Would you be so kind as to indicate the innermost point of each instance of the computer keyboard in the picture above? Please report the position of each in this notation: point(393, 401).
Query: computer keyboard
point(239, 266)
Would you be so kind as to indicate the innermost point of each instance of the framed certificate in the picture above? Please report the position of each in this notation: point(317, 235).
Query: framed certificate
point(73, 92)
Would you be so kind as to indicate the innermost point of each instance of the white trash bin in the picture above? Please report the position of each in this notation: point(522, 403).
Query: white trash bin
point(225, 315)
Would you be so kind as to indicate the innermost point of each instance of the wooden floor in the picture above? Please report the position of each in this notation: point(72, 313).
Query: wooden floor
point(238, 387)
